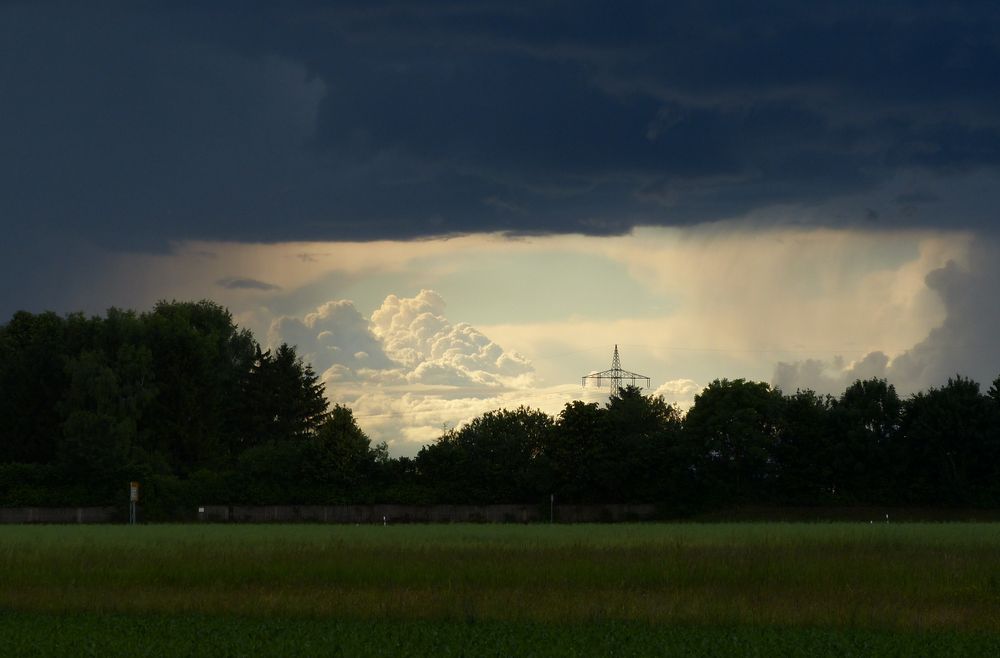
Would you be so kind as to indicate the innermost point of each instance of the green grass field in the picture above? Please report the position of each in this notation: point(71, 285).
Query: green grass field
point(687, 589)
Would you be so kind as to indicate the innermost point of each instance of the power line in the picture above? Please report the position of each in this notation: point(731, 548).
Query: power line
point(746, 350)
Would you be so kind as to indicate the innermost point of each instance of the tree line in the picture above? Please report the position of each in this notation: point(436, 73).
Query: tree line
point(184, 401)
point(179, 398)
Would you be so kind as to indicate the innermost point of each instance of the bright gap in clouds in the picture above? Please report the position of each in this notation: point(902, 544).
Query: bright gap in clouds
point(417, 336)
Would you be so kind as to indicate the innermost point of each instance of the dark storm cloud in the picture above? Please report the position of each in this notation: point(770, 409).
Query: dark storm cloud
point(140, 123)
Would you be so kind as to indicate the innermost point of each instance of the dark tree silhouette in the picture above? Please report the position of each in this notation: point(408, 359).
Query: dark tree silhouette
point(491, 459)
point(949, 444)
point(283, 399)
point(33, 379)
point(733, 429)
point(802, 450)
point(576, 452)
point(865, 422)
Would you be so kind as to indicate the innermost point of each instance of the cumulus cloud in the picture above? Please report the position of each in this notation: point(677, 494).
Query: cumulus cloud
point(335, 339)
point(831, 376)
point(407, 371)
point(964, 343)
point(679, 391)
point(415, 333)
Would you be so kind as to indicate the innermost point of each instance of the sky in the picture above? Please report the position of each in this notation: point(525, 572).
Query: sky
point(459, 206)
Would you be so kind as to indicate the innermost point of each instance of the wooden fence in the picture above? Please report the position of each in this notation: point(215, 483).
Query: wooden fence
point(59, 515)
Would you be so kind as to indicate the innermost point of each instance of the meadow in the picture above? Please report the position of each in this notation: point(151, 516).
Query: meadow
point(686, 589)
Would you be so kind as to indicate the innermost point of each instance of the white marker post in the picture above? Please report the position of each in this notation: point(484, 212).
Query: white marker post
point(133, 498)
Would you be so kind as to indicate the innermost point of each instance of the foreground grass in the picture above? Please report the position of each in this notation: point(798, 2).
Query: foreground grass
point(33, 634)
point(839, 589)
point(918, 577)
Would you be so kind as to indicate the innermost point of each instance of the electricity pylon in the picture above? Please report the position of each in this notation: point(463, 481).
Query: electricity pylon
point(615, 376)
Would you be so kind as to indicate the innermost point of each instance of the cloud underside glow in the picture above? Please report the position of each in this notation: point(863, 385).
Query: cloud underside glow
point(420, 335)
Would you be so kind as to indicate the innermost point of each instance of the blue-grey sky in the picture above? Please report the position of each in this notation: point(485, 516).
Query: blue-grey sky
point(227, 149)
